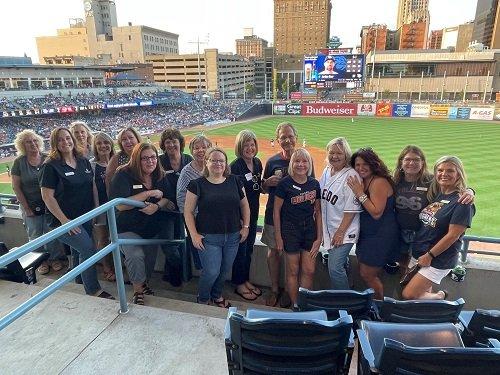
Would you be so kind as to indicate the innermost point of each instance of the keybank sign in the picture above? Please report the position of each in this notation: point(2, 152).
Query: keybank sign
point(329, 109)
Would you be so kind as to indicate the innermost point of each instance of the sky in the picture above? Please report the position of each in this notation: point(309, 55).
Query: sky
point(216, 22)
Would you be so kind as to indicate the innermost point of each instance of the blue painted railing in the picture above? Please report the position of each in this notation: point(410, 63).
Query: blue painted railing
point(113, 247)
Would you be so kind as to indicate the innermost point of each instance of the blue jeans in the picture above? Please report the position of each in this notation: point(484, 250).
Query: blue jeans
point(241, 265)
point(82, 244)
point(337, 259)
point(37, 226)
point(217, 260)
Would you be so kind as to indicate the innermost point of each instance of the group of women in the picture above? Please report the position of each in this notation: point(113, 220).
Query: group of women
point(413, 215)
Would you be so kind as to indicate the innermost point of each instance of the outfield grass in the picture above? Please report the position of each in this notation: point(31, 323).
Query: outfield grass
point(473, 141)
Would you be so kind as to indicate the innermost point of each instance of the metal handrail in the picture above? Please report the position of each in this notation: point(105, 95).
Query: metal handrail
point(109, 209)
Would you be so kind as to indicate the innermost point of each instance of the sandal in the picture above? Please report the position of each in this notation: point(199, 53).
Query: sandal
point(105, 295)
point(43, 269)
point(109, 276)
point(147, 290)
point(256, 291)
point(56, 265)
point(222, 303)
point(251, 295)
point(272, 298)
point(138, 298)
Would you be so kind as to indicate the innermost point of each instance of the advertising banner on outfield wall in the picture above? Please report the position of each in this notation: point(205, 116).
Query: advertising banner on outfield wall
point(439, 111)
point(384, 109)
point(459, 113)
point(294, 109)
point(497, 114)
point(482, 113)
point(366, 109)
point(401, 110)
point(329, 109)
point(279, 109)
point(420, 110)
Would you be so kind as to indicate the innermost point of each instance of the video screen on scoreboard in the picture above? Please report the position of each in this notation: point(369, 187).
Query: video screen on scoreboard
point(321, 69)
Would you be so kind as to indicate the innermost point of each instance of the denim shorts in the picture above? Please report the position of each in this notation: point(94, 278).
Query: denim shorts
point(298, 236)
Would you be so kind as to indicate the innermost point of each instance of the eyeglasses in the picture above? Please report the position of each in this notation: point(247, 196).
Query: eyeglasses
point(215, 161)
point(412, 160)
point(148, 158)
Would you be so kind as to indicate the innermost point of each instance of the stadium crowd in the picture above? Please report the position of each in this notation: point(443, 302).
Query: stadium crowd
point(413, 215)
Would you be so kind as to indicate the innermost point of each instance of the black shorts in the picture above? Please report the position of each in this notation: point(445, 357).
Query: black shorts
point(298, 236)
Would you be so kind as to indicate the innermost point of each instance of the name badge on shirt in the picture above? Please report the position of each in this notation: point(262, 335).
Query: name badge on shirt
point(444, 201)
point(69, 174)
point(421, 188)
point(136, 186)
point(249, 176)
point(170, 171)
point(296, 187)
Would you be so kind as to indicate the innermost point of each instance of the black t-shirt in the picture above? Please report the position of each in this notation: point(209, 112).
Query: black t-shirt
point(218, 205)
point(298, 199)
point(436, 219)
point(411, 198)
point(173, 175)
point(251, 181)
point(100, 178)
point(73, 188)
point(124, 185)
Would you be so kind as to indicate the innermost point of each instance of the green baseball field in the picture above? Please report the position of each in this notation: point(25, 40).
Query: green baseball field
point(475, 142)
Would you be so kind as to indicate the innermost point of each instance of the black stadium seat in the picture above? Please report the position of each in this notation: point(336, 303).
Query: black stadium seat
point(480, 325)
point(266, 342)
point(22, 270)
point(399, 348)
point(357, 304)
point(420, 311)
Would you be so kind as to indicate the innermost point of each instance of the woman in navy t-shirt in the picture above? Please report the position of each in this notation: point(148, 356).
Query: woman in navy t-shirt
point(297, 222)
point(439, 238)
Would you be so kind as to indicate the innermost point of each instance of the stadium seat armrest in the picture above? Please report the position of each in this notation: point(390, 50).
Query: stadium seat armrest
point(465, 317)
point(366, 349)
point(227, 327)
point(493, 343)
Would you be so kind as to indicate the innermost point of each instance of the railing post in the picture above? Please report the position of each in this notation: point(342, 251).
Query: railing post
point(463, 250)
point(120, 284)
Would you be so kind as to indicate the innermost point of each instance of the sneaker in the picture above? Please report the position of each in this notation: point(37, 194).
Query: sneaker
point(285, 301)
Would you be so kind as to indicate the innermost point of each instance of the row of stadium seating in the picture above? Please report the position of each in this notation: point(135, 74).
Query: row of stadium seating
point(395, 337)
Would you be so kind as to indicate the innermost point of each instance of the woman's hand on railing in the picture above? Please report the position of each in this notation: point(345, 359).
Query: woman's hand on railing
point(71, 232)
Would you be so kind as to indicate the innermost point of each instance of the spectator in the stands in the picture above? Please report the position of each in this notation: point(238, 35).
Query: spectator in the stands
point(127, 139)
point(222, 222)
point(198, 146)
point(83, 136)
point(68, 173)
point(25, 174)
point(103, 150)
point(173, 160)
point(142, 179)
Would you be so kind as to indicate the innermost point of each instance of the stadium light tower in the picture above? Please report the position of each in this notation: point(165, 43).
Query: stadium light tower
point(198, 42)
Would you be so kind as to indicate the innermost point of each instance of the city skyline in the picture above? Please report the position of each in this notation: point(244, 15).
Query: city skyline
point(207, 18)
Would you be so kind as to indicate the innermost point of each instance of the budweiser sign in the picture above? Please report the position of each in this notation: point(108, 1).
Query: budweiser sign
point(329, 109)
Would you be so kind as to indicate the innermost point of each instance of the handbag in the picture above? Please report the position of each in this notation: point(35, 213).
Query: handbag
point(409, 275)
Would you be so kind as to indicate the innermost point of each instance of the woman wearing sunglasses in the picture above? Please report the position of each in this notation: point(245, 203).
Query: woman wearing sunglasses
point(249, 169)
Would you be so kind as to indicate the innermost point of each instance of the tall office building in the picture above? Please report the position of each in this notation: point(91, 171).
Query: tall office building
point(373, 37)
point(301, 27)
point(410, 11)
point(486, 23)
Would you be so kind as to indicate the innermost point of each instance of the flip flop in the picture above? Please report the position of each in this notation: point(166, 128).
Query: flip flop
point(244, 294)
point(222, 303)
point(256, 291)
point(272, 298)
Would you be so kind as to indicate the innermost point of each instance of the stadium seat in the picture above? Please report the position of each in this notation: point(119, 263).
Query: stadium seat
point(22, 270)
point(480, 325)
point(357, 304)
point(399, 348)
point(420, 311)
point(266, 342)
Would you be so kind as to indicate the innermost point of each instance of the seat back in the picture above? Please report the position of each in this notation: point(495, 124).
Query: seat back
point(484, 325)
point(420, 311)
point(397, 358)
point(284, 346)
point(357, 304)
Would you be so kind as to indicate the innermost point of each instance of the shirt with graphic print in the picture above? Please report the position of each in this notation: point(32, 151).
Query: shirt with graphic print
point(298, 199)
point(411, 198)
point(436, 219)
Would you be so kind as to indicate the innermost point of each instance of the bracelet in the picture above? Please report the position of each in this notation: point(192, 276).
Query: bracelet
point(432, 255)
point(159, 207)
point(246, 226)
point(363, 198)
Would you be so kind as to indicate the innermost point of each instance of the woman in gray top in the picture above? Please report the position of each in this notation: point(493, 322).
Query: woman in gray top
point(25, 174)
point(198, 146)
